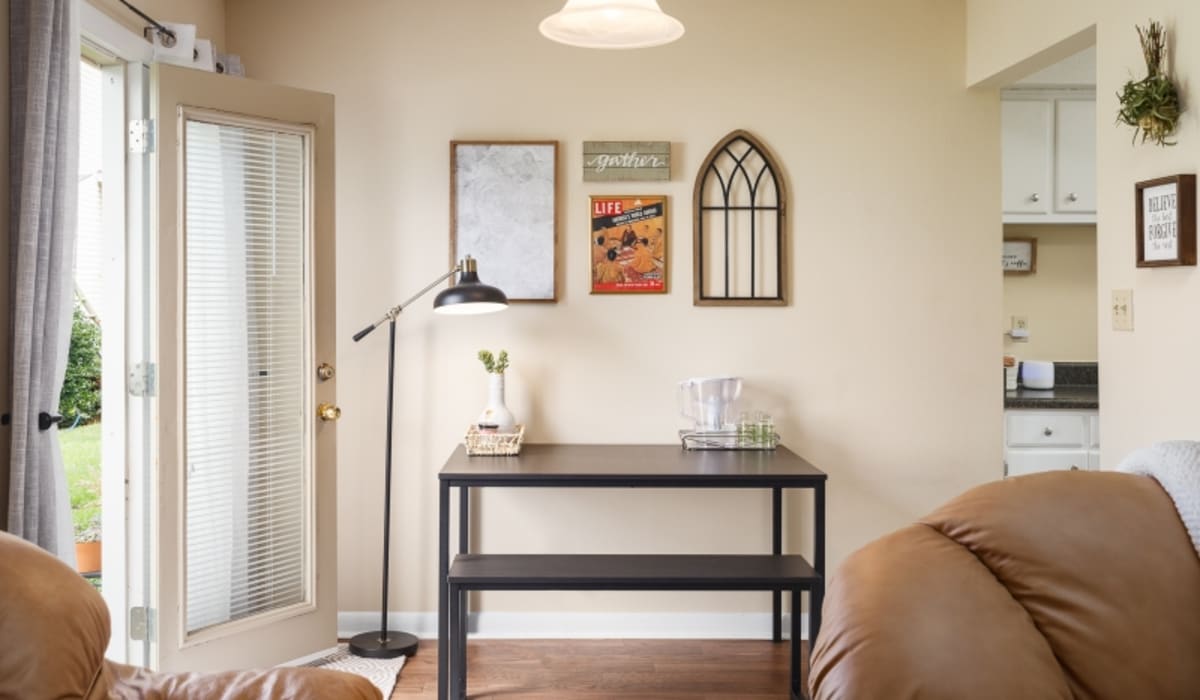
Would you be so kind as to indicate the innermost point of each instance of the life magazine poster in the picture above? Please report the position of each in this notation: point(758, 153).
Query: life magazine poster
point(629, 244)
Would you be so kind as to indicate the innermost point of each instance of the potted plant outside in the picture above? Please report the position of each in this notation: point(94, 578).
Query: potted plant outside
point(85, 516)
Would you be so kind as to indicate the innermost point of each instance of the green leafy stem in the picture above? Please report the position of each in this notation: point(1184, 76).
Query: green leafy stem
point(493, 364)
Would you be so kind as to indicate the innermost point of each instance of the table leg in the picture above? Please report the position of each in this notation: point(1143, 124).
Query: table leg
point(443, 574)
point(464, 511)
point(819, 529)
point(777, 549)
point(464, 542)
point(460, 658)
point(455, 615)
point(816, 597)
point(795, 682)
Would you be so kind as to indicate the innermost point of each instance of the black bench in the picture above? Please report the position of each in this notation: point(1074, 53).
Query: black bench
point(630, 572)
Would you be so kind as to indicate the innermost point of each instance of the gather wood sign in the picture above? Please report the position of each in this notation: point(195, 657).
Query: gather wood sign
point(626, 161)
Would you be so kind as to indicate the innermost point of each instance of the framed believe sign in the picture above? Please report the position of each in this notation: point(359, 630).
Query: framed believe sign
point(1166, 221)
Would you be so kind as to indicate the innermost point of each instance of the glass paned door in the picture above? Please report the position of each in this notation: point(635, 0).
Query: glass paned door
point(245, 531)
point(247, 342)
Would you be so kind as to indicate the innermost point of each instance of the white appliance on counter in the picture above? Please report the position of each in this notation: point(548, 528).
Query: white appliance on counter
point(1037, 375)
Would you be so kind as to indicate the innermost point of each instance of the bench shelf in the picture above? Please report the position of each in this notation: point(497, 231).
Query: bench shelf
point(629, 572)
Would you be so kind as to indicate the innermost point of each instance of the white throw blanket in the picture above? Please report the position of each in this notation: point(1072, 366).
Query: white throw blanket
point(1175, 465)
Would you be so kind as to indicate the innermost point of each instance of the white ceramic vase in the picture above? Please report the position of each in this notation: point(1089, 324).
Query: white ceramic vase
point(496, 413)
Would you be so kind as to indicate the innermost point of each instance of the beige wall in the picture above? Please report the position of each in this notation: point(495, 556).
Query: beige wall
point(1147, 376)
point(207, 15)
point(882, 371)
point(5, 302)
point(1059, 299)
point(1009, 39)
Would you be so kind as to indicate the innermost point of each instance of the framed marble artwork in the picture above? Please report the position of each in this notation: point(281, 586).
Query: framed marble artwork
point(503, 212)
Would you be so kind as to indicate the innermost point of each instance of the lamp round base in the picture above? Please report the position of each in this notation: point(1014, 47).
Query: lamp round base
point(370, 645)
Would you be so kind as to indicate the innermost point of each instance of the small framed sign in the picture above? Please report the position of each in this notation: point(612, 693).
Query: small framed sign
point(1166, 221)
point(1020, 256)
point(623, 161)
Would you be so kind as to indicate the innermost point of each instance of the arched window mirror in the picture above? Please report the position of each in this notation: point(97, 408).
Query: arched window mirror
point(740, 210)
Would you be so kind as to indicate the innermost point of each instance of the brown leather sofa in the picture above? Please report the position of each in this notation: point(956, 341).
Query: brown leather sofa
point(54, 628)
point(1057, 585)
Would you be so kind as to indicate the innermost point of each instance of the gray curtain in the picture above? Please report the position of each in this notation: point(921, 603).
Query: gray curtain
point(44, 146)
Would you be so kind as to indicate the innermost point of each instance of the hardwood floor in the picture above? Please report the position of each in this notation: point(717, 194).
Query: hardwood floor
point(616, 669)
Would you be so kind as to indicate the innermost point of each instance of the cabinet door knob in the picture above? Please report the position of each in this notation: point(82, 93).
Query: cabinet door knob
point(1035, 197)
point(1047, 432)
point(1072, 197)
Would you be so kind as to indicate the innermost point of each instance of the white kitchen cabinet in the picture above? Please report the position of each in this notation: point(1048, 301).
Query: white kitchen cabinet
point(1032, 461)
point(1048, 142)
point(1045, 440)
point(1027, 129)
point(1075, 157)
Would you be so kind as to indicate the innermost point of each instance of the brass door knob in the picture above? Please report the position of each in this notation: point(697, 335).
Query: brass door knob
point(325, 371)
point(328, 412)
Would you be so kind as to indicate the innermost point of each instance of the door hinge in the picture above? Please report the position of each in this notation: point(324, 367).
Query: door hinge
point(143, 379)
point(143, 624)
point(141, 136)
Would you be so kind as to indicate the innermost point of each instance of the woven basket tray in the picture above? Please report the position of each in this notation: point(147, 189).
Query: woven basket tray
point(486, 443)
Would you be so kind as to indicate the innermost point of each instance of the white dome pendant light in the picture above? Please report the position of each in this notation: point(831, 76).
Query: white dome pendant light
point(611, 24)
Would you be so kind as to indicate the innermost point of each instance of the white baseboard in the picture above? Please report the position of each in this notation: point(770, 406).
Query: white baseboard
point(309, 657)
point(578, 625)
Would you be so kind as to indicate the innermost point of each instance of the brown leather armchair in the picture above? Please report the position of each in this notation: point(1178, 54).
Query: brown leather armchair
point(1057, 585)
point(54, 628)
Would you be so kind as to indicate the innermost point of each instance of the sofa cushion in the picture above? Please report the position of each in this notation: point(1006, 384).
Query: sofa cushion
point(1055, 585)
point(1104, 567)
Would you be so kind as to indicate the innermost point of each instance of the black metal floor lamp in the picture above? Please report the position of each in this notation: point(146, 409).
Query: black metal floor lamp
point(468, 296)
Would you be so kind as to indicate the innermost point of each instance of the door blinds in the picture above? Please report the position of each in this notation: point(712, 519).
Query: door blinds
point(248, 454)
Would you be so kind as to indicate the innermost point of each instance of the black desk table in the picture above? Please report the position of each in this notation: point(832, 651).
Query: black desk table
point(624, 466)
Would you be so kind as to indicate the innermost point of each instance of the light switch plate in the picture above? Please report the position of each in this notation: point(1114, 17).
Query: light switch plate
point(1122, 310)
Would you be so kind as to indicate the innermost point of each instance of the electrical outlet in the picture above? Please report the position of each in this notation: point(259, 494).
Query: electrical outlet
point(1122, 310)
point(1020, 323)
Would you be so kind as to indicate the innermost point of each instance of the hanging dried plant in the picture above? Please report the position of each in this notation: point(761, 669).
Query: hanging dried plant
point(1151, 105)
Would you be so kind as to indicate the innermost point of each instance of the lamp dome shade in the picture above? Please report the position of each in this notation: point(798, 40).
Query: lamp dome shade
point(470, 296)
point(611, 24)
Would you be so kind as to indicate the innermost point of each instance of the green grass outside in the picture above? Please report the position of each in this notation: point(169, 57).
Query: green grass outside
point(81, 457)
point(81, 450)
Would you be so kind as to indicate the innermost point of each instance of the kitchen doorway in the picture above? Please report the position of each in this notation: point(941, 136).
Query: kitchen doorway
point(1049, 320)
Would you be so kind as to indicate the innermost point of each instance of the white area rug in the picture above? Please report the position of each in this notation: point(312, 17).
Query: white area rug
point(381, 672)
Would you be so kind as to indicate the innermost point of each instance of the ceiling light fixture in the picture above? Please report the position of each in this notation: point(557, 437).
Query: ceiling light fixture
point(611, 24)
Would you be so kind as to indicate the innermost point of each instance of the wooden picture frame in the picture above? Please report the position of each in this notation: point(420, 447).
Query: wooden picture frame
point(1165, 227)
point(504, 213)
point(740, 226)
point(628, 250)
point(1019, 256)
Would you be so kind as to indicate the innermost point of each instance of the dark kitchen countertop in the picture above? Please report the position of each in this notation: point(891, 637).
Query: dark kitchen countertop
point(1086, 396)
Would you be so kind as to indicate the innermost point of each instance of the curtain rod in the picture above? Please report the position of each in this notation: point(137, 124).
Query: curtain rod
point(167, 37)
